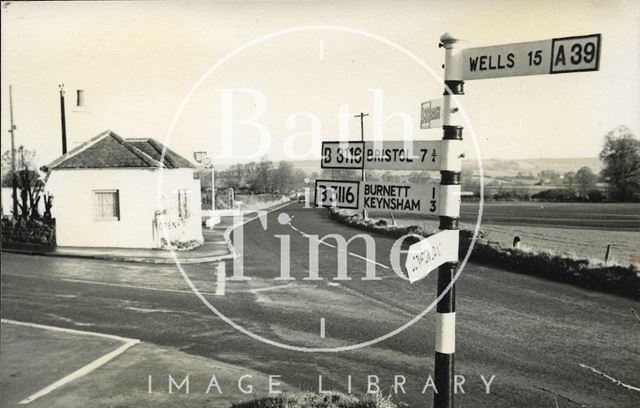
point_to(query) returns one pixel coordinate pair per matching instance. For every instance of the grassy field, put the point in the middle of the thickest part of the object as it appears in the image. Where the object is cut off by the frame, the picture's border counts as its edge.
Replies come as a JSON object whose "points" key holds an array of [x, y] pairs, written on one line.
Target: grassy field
{"points": [[577, 229]]}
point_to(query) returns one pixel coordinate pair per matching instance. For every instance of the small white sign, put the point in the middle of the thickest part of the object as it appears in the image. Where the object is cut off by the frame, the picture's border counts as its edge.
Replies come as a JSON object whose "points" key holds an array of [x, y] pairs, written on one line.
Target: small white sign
{"points": [[431, 114], [428, 254], [200, 157], [554, 56], [416, 155]]}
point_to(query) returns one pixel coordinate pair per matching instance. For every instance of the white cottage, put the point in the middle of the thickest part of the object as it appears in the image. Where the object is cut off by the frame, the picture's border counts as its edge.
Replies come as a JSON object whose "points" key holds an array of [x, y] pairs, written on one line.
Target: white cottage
{"points": [[115, 192]]}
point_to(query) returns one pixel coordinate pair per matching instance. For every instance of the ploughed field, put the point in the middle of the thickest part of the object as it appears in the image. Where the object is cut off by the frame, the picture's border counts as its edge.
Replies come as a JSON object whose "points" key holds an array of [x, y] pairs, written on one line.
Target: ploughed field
{"points": [[581, 230]]}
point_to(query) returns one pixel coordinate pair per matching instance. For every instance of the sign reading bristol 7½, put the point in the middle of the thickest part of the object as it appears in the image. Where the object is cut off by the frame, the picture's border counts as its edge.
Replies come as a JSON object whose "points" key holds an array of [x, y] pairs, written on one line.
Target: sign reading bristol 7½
{"points": [[555, 56], [416, 155]]}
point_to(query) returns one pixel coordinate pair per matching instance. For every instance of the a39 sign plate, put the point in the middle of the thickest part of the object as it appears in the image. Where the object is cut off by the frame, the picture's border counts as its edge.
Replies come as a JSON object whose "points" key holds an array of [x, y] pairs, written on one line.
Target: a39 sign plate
{"points": [[417, 155], [555, 56], [377, 195]]}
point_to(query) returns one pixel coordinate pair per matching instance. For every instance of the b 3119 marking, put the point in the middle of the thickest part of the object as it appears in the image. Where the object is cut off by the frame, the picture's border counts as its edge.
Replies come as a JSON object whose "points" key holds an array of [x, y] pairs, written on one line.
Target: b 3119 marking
{"points": [[416, 155]]}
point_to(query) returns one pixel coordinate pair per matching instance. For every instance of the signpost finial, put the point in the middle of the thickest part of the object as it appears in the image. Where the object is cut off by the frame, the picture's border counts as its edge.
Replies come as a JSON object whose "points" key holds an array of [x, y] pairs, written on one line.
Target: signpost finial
{"points": [[447, 39]]}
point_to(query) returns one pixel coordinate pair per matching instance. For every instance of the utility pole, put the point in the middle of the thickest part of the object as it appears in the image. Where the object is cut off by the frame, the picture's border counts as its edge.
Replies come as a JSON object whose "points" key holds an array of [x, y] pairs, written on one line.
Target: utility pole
{"points": [[14, 182], [361, 115], [63, 120]]}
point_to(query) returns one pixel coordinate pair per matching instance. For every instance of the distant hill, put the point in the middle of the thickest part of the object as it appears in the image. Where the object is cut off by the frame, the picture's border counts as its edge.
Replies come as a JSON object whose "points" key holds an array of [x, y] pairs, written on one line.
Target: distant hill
{"points": [[509, 168], [492, 167]]}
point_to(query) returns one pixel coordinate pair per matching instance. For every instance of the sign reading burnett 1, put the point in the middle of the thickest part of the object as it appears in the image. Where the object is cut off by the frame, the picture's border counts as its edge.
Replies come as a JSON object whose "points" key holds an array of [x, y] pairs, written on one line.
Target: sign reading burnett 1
{"points": [[429, 253], [555, 56], [378, 195], [387, 155]]}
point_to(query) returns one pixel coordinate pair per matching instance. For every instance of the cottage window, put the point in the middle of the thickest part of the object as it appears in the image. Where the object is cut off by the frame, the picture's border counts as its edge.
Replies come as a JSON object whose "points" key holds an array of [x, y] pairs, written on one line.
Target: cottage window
{"points": [[106, 205], [183, 204]]}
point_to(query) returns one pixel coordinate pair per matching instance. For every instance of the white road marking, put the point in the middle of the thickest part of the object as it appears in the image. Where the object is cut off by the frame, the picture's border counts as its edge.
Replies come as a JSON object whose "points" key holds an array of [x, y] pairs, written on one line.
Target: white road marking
{"points": [[268, 288], [82, 371], [221, 279], [65, 330], [304, 234], [185, 291], [322, 328], [608, 377], [122, 285], [463, 193]]}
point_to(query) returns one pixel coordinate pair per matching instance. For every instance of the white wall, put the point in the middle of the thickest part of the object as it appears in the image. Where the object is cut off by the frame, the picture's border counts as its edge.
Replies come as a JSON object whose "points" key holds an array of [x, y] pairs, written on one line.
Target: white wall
{"points": [[72, 191]]}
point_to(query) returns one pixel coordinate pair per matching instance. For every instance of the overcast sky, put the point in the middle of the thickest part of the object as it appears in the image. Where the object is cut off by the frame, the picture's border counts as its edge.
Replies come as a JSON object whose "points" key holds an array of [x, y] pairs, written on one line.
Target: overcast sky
{"points": [[137, 62]]}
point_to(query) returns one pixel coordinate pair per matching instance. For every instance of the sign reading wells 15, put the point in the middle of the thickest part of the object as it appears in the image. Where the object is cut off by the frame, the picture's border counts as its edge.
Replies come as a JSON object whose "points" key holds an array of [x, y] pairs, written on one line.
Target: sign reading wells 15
{"points": [[429, 253], [378, 195], [555, 56], [416, 155]]}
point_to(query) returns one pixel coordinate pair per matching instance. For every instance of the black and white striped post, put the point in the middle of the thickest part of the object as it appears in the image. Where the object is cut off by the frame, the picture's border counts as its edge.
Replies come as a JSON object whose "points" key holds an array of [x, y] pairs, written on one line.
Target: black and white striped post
{"points": [[449, 214]]}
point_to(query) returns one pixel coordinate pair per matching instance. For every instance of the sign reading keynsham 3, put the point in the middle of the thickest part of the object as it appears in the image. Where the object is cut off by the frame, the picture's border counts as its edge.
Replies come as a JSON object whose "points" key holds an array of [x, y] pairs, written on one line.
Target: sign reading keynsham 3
{"points": [[377, 195], [555, 56]]}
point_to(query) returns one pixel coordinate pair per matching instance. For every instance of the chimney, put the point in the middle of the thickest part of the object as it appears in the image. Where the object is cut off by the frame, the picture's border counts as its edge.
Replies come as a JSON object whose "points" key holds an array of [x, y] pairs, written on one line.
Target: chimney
{"points": [[80, 98]]}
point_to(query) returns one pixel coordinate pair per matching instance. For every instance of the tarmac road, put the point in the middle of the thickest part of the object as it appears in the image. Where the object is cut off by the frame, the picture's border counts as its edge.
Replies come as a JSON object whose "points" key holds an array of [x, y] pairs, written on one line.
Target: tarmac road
{"points": [[525, 331]]}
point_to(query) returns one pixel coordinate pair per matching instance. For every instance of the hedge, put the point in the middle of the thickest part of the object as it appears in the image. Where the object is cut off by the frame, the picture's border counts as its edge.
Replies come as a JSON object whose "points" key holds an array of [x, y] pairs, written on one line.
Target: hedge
{"points": [[30, 231], [619, 280]]}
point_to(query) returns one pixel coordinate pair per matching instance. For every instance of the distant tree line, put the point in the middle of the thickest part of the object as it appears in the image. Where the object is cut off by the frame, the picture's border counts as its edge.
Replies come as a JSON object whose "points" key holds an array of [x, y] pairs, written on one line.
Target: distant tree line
{"points": [[619, 179], [259, 177]]}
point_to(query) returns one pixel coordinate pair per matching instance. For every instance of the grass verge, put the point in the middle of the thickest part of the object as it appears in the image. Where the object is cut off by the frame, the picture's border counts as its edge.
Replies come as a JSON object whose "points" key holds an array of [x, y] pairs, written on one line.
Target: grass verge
{"points": [[619, 280], [310, 400]]}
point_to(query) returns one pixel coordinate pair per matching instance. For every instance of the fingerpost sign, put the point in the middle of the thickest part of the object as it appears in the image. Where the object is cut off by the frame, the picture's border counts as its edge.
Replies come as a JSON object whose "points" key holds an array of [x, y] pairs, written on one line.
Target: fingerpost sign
{"points": [[415, 155], [554, 56]]}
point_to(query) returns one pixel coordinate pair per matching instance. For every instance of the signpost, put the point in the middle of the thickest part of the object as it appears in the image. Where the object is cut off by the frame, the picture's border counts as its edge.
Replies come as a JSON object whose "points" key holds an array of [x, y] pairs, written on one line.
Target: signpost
{"points": [[202, 158], [431, 114], [416, 155], [426, 255], [554, 56], [381, 196], [558, 55]]}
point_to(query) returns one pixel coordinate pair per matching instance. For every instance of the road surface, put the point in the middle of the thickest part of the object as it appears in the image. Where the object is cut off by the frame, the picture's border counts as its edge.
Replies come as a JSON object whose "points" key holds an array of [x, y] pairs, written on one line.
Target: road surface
{"points": [[527, 332]]}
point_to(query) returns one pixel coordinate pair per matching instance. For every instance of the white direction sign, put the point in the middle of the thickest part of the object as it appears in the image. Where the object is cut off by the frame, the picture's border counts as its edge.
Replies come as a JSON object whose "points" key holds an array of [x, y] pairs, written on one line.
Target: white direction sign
{"points": [[426, 255], [377, 195], [554, 56], [431, 114], [416, 155]]}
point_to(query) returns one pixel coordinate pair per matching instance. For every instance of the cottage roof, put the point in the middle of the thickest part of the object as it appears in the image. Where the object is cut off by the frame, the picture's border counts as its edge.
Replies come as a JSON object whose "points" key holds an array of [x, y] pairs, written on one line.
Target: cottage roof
{"points": [[108, 150]]}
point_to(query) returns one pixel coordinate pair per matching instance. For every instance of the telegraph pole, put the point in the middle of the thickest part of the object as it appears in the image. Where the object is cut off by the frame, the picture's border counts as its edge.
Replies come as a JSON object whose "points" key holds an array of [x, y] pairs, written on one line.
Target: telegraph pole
{"points": [[14, 182], [361, 115], [63, 120]]}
